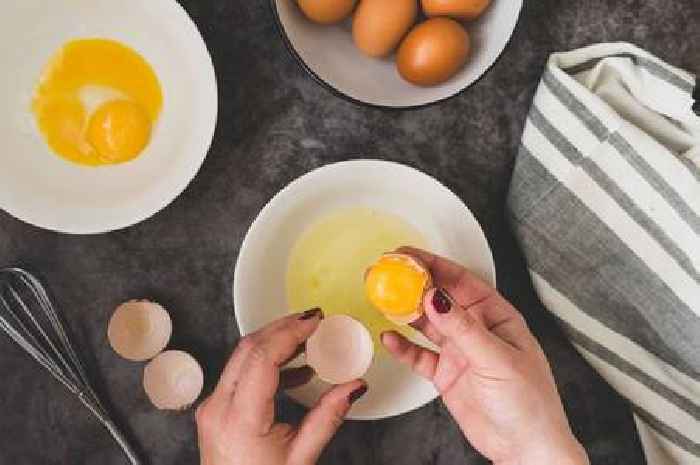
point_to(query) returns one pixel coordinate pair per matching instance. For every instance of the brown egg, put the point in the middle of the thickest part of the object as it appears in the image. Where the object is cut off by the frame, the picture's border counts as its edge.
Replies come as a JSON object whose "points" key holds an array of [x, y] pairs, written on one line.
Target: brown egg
{"points": [[379, 25], [433, 52], [326, 11], [463, 9]]}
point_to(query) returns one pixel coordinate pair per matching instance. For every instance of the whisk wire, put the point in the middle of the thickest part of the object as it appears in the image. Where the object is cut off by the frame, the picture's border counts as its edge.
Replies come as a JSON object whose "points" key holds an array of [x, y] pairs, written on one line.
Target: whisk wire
{"points": [[36, 355], [75, 367], [50, 346]]}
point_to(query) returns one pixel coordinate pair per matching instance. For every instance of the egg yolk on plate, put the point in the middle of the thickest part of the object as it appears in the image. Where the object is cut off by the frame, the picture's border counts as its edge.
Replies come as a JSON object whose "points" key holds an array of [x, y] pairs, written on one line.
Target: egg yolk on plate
{"points": [[96, 102]]}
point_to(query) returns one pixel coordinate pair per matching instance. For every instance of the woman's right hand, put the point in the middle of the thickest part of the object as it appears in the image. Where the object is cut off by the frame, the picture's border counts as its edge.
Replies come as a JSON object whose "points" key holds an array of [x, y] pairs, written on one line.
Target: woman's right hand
{"points": [[491, 372]]}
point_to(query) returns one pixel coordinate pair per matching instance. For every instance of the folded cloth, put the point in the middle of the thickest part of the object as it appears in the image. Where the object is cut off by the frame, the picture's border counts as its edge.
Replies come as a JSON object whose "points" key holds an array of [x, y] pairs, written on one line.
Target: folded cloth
{"points": [[605, 202]]}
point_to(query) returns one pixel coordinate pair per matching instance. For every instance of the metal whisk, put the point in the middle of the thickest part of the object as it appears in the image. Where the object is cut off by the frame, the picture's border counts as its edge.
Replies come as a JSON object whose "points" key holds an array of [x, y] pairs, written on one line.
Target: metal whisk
{"points": [[30, 319]]}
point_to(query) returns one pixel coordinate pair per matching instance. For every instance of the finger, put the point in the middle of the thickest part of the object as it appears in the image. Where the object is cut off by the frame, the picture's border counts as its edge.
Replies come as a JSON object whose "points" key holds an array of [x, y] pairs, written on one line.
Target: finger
{"points": [[301, 348], [325, 418], [291, 378], [428, 330], [477, 344], [210, 413], [229, 377], [230, 374], [504, 321], [468, 290], [269, 348], [422, 361], [465, 287], [285, 339]]}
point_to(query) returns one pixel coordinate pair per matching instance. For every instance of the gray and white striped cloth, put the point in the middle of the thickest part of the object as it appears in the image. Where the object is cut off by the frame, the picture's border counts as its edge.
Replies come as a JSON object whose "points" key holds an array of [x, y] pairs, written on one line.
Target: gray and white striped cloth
{"points": [[605, 202]]}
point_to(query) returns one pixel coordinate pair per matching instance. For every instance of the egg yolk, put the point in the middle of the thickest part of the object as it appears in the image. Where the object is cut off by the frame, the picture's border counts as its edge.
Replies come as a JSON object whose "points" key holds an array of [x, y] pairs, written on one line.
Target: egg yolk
{"points": [[119, 130], [96, 102], [396, 285]]}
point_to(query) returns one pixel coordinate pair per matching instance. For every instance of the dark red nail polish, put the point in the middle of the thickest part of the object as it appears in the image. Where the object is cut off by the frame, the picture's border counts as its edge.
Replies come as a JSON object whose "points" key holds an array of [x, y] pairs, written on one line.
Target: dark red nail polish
{"points": [[442, 302], [313, 313], [356, 394]]}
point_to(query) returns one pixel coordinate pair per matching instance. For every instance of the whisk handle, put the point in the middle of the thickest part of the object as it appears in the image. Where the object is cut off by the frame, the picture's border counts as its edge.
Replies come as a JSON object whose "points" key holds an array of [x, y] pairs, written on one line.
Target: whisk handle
{"points": [[113, 430]]}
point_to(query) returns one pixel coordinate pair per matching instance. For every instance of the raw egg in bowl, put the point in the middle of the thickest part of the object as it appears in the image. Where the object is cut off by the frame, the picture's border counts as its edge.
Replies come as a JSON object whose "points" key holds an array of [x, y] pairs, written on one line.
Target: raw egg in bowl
{"points": [[108, 112], [312, 245]]}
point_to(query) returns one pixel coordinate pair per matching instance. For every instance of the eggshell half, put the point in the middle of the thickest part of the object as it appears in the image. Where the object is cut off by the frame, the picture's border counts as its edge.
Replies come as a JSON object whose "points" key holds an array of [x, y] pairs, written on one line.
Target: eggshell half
{"points": [[340, 350], [419, 265], [405, 319], [173, 380], [139, 330]]}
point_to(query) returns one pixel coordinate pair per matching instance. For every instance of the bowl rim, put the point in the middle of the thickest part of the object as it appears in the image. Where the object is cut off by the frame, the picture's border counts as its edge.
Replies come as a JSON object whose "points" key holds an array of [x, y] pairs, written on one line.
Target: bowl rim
{"points": [[179, 186], [338, 93], [271, 203]]}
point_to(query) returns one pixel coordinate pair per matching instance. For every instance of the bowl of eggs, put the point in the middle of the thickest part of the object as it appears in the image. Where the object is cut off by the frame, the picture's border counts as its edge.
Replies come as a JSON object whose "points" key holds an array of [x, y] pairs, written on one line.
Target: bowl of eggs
{"points": [[108, 118], [396, 53], [326, 241]]}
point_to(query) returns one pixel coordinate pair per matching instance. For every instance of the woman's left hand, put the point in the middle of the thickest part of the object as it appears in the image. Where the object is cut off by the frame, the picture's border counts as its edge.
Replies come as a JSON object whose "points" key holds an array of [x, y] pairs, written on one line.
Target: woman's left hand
{"points": [[236, 424]]}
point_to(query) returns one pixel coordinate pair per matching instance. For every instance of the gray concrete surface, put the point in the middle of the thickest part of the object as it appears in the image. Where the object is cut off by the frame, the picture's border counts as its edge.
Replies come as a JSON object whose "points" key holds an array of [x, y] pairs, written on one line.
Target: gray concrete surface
{"points": [[274, 125]]}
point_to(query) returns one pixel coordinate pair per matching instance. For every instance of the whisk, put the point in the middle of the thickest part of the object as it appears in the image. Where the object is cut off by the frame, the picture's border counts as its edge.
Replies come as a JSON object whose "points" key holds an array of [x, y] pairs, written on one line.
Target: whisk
{"points": [[30, 320]]}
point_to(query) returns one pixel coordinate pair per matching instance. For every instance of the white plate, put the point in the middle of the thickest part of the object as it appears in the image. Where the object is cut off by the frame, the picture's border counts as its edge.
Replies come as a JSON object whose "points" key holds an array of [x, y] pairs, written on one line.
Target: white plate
{"points": [[329, 54], [41, 188], [259, 282]]}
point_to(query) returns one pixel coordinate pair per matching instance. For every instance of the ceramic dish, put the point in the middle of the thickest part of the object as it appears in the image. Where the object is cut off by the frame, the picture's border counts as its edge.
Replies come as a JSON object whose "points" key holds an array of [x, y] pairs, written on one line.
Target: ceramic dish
{"points": [[259, 283], [43, 189], [329, 55]]}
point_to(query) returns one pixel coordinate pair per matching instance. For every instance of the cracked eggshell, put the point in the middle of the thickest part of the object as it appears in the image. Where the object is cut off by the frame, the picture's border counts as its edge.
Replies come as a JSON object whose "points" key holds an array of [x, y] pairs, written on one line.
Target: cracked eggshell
{"points": [[383, 290], [340, 350], [139, 330], [173, 380]]}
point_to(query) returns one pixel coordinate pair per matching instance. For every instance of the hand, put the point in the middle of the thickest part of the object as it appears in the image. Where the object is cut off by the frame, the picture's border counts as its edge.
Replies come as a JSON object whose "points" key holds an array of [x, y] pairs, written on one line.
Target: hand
{"points": [[492, 374], [236, 424]]}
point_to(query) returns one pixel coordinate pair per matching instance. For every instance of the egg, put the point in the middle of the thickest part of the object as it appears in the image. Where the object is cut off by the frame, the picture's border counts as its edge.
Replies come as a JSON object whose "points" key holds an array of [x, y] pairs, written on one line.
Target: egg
{"points": [[138, 330], [396, 284], [173, 380], [326, 11], [379, 25], [96, 102], [462, 9], [340, 350], [433, 52], [119, 130]]}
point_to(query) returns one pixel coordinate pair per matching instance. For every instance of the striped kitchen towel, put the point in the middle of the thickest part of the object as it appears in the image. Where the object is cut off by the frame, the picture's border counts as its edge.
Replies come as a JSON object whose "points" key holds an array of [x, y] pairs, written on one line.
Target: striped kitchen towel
{"points": [[605, 202]]}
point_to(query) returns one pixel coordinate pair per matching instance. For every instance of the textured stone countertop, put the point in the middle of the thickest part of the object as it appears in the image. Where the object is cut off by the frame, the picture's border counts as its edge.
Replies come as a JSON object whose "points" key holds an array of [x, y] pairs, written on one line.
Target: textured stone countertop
{"points": [[274, 125]]}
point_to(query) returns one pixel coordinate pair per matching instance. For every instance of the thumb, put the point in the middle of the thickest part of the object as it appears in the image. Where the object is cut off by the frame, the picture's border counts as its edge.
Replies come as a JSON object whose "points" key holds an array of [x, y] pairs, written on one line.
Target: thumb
{"points": [[325, 418], [479, 346]]}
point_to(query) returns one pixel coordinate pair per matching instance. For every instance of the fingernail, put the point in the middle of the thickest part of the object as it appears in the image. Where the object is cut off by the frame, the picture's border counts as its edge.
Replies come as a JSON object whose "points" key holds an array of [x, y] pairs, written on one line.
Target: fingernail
{"points": [[356, 394], [313, 313], [696, 107], [442, 302]]}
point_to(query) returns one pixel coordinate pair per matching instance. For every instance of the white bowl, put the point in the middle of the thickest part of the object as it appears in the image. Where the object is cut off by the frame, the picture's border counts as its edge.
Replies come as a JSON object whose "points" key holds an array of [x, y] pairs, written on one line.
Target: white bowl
{"points": [[41, 188], [259, 281], [329, 55]]}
